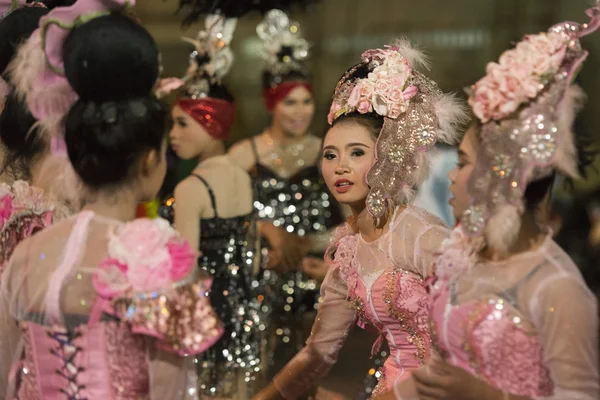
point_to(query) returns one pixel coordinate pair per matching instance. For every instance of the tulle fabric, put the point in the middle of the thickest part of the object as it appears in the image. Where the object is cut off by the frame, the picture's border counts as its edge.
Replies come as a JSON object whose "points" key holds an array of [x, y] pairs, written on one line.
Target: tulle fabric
{"points": [[25, 299], [411, 244], [527, 325]]}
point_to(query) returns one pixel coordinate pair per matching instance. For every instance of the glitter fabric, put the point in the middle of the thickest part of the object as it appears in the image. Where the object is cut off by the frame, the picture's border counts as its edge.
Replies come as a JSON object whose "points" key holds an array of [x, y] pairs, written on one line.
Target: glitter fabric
{"points": [[416, 115], [214, 115], [228, 254], [24, 210], [526, 325], [526, 133]]}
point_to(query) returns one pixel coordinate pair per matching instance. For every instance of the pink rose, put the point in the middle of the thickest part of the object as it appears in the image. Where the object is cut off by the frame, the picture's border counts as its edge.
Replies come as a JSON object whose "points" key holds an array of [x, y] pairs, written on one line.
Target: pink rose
{"points": [[182, 258], [138, 239], [153, 274], [364, 107], [382, 87], [366, 89], [110, 278], [395, 95], [395, 110], [485, 100]]}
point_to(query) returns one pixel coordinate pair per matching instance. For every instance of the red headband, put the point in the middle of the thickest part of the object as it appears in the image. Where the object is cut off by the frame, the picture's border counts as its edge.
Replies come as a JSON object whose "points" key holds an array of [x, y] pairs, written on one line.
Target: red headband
{"points": [[215, 115], [280, 92]]}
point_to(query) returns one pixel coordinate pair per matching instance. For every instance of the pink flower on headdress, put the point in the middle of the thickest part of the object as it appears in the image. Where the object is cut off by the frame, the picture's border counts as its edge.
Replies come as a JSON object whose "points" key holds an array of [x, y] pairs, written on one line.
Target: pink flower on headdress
{"points": [[364, 107], [518, 77]]}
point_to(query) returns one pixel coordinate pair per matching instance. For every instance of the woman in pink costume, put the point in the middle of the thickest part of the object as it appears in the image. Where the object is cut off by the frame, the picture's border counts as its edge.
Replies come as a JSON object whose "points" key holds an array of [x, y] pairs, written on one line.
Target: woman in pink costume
{"points": [[27, 203], [512, 318], [385, 118], [102, 306]]}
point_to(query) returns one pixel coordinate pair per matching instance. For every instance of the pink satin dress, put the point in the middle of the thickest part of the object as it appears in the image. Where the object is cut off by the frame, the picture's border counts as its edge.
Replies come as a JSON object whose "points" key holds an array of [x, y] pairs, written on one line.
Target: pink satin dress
{"points": [[382, 285]]}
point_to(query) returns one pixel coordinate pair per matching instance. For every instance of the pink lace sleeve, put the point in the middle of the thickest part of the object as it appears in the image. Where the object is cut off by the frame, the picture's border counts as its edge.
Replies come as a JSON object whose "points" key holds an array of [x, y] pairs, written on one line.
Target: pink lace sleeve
{"points": [[334, 320], [566, 318]]}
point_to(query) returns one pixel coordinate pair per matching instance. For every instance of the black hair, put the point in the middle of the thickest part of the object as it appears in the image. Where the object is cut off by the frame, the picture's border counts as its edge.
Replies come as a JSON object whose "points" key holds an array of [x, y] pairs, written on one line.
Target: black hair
{"points": [[112, 64], [15, 28], [276, 76], [20, 137]]}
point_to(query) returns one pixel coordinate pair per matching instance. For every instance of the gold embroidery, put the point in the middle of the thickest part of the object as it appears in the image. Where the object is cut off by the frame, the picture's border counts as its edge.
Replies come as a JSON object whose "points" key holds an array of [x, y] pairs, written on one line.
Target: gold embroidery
{"points": [[406, 318]]}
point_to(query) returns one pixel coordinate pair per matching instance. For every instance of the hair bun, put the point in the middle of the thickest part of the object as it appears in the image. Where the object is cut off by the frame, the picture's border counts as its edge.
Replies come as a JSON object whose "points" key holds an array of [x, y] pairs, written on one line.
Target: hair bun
{"points": [[111, 58]]}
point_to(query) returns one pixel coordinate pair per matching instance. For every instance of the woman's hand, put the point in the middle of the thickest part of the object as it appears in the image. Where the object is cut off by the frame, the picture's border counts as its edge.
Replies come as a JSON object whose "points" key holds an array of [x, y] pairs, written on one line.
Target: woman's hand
{"points": [[286, 249], [315, 267], [439, 380]]}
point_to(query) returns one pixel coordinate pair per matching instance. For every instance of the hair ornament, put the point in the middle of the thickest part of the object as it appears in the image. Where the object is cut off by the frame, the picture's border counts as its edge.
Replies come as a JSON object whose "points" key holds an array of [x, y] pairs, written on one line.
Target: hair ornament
{"points": [[37, 71], [526, 105], [416, 115], [284, 49]]}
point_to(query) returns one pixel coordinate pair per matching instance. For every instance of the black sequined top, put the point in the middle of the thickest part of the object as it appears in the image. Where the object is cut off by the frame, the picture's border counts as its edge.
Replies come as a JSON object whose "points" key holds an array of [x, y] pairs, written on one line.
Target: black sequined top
{"points": [[300, 204], [227, 255]]}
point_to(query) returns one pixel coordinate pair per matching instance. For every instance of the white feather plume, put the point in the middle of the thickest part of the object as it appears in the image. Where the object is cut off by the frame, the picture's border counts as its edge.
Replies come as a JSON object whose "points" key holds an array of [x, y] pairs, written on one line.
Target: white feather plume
{"points": [[452, 114], [566, 152], [415, 57], [502, 229]]}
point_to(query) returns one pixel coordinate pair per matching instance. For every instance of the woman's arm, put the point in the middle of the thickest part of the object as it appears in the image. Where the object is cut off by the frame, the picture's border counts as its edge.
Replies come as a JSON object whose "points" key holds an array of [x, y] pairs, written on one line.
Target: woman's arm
{"points": [[333, 322], [189, 197]]}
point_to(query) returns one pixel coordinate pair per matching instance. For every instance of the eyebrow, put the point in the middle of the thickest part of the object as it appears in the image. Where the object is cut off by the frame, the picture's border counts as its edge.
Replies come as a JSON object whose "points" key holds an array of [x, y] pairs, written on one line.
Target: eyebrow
{"points": [[462, 154], [331, 147]]}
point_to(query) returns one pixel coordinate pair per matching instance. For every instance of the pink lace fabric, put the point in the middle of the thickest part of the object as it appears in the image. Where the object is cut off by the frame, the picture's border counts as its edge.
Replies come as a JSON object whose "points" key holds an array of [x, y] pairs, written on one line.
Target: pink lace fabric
{"points": [[60, 337], [528, 325], [382, 285], [24, 210]]}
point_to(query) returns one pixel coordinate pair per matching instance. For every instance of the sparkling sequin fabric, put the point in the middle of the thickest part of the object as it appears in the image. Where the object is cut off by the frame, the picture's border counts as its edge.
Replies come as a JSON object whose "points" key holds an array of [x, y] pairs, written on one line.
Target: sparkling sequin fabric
{"points": [[528, 325], [24, 210], [380, 284], [227, 256], [291, 193]]}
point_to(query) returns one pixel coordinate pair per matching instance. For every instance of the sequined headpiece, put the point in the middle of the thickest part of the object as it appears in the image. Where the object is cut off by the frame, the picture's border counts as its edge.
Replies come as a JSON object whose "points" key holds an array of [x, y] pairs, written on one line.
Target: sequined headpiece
{"points": [[210, 62], [416, 115], [284, 50], [526, 105]]}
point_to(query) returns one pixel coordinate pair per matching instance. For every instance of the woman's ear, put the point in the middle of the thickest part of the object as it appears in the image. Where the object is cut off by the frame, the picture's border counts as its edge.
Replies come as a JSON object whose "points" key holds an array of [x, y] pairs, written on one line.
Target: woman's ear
{"points": [[149, 162]]}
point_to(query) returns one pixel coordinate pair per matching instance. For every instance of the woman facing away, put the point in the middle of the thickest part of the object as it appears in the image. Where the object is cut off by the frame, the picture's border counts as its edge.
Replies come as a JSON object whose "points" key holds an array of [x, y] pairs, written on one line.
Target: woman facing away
{"points": [[512, 318], [385, 118], [213, 208], [296, 210], [26, 201], [99, 306]]}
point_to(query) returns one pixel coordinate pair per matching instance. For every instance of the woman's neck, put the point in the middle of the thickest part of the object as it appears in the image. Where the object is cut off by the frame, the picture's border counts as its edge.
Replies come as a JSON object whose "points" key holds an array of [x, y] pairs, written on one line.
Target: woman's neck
{"points": [[118, 205], [218, 149], [365, 224], [281, 138]]}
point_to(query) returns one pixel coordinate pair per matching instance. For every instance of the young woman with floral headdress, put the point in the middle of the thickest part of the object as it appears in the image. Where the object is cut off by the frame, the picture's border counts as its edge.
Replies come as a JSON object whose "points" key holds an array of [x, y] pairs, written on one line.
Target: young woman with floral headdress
{"points": [[512, 318], [99, 305], [386, 116], [213, 208]]}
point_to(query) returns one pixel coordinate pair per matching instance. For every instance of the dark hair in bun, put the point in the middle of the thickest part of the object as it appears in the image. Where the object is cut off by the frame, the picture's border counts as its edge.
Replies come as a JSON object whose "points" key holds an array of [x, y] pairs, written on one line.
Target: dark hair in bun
{"points": [[112, 64], [20, 137], [15, 29]]}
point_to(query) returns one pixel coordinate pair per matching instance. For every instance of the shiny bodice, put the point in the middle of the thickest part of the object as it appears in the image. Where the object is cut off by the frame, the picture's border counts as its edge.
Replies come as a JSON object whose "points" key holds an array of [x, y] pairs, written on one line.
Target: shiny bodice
{"points": [[299, 204], [90, 361], [490, 338]]}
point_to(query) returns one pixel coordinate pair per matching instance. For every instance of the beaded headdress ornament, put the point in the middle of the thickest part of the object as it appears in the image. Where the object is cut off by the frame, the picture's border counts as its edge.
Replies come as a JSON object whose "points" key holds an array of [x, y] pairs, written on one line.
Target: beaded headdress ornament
{"points": [[526, 105], [209, 64], [416, 115], [284, 51]]}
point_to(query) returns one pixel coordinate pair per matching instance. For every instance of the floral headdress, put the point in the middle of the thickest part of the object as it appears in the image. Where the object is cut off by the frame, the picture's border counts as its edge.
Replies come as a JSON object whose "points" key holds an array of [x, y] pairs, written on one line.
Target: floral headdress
{"points": [[526, 105], [416, 115]]}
